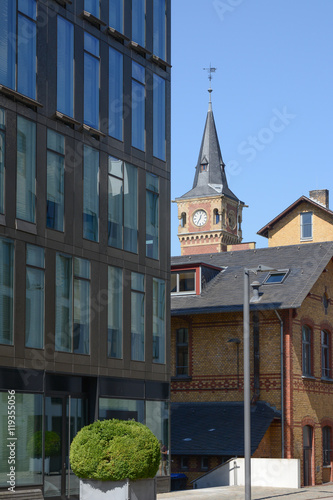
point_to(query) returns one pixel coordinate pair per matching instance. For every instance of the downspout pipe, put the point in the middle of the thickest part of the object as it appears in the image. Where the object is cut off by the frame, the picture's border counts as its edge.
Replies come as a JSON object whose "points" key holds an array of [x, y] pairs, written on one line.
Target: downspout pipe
{"points": [[282, 380]]}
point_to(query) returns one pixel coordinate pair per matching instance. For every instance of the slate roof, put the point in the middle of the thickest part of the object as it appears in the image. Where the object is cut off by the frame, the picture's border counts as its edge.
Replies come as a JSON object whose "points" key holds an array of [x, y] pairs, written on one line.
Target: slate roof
{"points": [[224, 292], [217, 428], [264, 230], [213, 180]]}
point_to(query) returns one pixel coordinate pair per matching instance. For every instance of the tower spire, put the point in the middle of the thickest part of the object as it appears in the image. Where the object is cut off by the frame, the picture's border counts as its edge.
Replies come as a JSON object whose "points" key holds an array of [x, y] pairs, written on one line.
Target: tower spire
{"points": [[210, 76]]}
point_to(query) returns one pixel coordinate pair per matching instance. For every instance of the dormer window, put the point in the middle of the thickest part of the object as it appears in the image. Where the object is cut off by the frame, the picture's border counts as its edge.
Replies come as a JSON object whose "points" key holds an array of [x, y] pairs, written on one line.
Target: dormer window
{"points": [[183, 281], [204, 167], [306, 226]]}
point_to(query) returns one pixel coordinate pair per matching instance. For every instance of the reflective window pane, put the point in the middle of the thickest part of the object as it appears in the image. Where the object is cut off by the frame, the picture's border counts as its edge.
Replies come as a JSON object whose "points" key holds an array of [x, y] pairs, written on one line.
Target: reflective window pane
{"points": [[26, 169], [158, 321], [159, 118], [6, 290], [116, 14], [115, 94], [91, 194], [139, 22], [65, 67], [8, 48], [115, 312], [92, 6], [26, 57], [55, 180], [64, 303], [159, 39]]}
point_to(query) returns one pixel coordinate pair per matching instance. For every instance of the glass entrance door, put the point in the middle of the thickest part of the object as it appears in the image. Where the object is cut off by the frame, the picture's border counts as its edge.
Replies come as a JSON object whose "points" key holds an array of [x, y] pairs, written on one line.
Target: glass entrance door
{"points": [[64, 417]]}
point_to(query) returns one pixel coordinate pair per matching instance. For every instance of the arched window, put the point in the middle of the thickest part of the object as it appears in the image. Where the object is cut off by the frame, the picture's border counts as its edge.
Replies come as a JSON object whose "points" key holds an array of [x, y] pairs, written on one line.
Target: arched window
{"points": [[216, 216], [306, 350], [183, 219]]}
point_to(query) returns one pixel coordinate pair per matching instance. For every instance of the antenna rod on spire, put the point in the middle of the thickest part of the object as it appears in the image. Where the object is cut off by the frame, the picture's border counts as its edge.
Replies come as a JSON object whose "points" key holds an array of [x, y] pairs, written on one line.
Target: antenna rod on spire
{"points": [[210, 72]]}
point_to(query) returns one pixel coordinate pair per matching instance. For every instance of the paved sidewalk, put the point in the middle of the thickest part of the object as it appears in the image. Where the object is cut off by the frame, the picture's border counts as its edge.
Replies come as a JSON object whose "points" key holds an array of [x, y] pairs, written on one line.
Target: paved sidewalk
{"points": [[257, 493]]}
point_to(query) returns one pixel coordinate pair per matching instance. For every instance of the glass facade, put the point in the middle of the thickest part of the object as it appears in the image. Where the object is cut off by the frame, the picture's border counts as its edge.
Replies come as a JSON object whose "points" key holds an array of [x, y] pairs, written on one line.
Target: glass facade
{"points": [[152, 216], [90, 193], [115, 94], [34, 300], [159, 118], [18, 41], [91, 80], [158, 320], [72, 304], [65, 67], [115, 312], [55, 180], [6, 290], [138, 106], [26, 170], [137, 317]]}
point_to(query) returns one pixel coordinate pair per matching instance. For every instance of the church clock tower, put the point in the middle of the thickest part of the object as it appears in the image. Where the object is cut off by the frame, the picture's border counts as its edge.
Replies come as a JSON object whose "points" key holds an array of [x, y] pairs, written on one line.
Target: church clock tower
{"points": [[210, 215]]}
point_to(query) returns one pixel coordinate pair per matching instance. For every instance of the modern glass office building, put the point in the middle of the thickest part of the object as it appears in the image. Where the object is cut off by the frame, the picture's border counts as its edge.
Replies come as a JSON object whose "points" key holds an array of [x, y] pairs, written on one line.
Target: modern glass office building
{"points": [[84, 227]]}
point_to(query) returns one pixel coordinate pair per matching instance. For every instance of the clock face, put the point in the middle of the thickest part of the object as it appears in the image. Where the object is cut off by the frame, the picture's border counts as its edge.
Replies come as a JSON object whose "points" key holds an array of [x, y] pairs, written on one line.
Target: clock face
{"points": [[200, 218]]}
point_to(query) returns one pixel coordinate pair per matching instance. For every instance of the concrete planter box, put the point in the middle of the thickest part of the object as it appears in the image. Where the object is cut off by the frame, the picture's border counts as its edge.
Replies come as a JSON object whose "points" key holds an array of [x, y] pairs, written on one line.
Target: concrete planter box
{"points": [[143, 489]]}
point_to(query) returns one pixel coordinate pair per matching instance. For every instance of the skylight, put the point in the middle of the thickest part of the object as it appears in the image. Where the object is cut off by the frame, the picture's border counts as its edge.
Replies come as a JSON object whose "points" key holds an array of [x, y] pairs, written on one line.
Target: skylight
{"points": [[276, 277]]}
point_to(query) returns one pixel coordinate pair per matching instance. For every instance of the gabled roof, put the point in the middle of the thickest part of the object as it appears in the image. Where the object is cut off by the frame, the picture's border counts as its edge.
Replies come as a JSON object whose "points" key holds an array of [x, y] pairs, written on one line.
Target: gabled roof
{"points": [[224, 292], [217, 428], [265, 230], [212, 180]]}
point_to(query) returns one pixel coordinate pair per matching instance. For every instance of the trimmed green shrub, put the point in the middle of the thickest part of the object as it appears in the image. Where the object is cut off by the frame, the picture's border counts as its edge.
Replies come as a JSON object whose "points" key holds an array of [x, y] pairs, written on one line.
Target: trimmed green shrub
{"points": [[52, 444], [114, 450]]}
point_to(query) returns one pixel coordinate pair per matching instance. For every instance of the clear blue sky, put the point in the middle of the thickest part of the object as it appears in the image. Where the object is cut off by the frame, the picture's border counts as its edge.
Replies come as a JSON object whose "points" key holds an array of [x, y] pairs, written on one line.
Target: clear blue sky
{"points": [[272, 100]]}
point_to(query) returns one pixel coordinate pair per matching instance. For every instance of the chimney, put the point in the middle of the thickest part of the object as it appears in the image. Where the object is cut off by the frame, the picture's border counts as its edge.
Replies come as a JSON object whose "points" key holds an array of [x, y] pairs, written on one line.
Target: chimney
{"points": [[320, 196]]}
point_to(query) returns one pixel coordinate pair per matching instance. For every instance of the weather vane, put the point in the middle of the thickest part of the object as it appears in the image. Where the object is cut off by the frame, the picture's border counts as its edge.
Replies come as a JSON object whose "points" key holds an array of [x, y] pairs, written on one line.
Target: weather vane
{"points": [[210, 76]]}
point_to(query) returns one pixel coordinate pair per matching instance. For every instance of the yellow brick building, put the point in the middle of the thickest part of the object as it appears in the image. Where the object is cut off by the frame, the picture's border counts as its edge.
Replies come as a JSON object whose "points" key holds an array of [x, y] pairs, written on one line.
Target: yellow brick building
{"points": [[307, 220], [291, 325]]}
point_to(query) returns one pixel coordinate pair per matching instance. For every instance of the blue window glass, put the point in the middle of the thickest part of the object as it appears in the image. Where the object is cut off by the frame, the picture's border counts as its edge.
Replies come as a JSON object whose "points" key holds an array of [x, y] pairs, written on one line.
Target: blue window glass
{"points": [[2, 161], [159, 117], [115, 94], [27, 7], [64, 303], [159, 38], [152, 216], [90, 193], [26, 56], [93, 7], [34, 300], [91, 81], [26, 170], [18, 44], [158, 321], [122, 209], [116, 15], [115, 312], [7, 43], [138, 106], [6, 290], [65, 67], [137, 317], [139, 22], [55, 180]]}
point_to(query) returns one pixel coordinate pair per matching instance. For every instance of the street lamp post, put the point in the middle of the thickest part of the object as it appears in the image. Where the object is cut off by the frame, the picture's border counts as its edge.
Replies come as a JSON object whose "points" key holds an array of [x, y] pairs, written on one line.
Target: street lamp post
{"points": [[247, 389], [247, 375]]}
